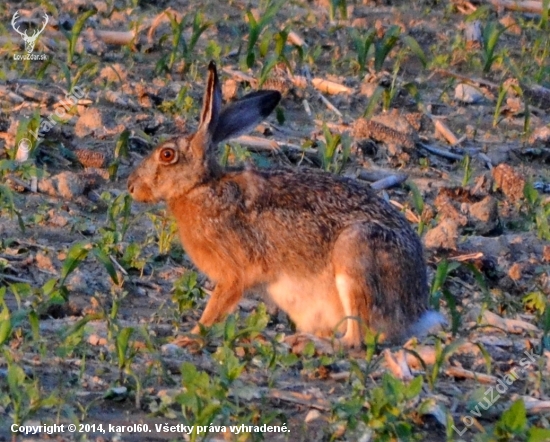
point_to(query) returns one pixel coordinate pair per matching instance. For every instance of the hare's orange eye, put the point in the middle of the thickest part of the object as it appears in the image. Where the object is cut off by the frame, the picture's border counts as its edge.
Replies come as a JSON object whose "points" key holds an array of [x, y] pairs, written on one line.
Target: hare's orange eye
{"points": [[168, 155]]}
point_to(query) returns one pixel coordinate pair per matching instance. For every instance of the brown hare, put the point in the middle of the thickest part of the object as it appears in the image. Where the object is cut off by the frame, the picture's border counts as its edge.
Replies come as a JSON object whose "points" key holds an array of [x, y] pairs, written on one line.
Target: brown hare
{"points": [[330, 253]]}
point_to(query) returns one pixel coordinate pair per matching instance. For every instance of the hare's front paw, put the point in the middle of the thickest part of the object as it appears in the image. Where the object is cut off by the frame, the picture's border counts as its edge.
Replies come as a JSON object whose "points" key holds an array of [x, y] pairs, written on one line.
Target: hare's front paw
{"points": [[298, 342], [193, 344]]}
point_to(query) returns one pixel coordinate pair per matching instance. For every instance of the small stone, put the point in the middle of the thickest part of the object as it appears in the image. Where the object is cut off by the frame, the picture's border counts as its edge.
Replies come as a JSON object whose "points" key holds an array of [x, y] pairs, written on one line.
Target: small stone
{"points": [[468, 94], [444, 236], [540, 135], [312, 415], [97, 340], [484, 215], [510, 182], [88, 122], [44, 262], [67, 185], [515, 271], [57, 219], [229, 89]]}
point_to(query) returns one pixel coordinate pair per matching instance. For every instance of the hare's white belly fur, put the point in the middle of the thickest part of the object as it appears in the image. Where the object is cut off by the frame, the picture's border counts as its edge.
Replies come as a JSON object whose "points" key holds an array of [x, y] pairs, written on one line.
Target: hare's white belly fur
{"points": [[311, 302]]}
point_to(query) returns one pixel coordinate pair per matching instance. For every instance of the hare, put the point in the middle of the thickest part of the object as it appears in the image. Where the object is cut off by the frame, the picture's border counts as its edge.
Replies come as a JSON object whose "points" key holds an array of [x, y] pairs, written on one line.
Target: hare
{"points": [[330, 253]]}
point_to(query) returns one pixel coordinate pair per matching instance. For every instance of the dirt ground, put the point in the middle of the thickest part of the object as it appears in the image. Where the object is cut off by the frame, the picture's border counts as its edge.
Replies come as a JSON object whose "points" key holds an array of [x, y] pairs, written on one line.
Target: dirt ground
{"points": [[450, 127]]}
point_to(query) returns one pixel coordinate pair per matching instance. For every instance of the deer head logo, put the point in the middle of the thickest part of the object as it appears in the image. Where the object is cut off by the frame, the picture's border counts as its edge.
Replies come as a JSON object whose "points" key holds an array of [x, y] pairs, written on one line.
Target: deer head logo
{"points": [[29, 40]]}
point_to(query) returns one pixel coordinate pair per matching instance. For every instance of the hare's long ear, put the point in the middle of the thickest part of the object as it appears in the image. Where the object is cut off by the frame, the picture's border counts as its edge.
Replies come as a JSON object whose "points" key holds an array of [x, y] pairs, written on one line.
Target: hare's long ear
{"points": [[243, 115], [210, 113], [212, 102]]}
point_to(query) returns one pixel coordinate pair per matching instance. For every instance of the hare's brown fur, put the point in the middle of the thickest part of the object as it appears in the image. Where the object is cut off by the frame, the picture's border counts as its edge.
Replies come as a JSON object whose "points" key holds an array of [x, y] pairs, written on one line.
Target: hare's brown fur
{"points": [[330, 253]]}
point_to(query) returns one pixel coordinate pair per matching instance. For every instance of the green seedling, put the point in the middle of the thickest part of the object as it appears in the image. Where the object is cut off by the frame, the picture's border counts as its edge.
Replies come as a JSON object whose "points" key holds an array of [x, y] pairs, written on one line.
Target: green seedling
{"points": [[438, 290], [441, 355], [255, 28], [122, 150], [75, 256], [390, 411], [537, 301], [125, 353], [382, 47], [389, 94], [538, 210], [132, 257], [543, 25], [179, 45], [5, 318], [490, 36], [502, 92], [118, 220], [418, 203], [513, 425], [362, 46], [7, 203], [186, 291], [334, 150], [229, 365], [165, 229], [340, 6], [75, 32], [467, 168], [374, 100], [202, 399], [23, 397], [90, 67]]}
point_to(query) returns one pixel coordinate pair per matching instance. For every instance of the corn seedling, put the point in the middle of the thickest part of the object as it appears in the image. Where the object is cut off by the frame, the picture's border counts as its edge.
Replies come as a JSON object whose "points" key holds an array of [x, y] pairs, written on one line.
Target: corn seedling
{"points": [[255, 29], [383, 46], [90, 67], [362, 46], [467, 168], [334, 150], [23, 397], [75, 256], [7, 203], [374, 100], [490, 35], [418, 203], [5, 318], [389, 94], [442, 353], [502, 91], [75, 32], [179, 45], [438, 290], [538, 210], [340, 6], [121, 151]]}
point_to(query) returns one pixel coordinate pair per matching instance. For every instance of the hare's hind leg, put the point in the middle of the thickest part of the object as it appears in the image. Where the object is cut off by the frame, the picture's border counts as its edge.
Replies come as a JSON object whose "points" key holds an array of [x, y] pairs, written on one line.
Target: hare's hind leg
{"points": [[381, 278], [353, 265]]}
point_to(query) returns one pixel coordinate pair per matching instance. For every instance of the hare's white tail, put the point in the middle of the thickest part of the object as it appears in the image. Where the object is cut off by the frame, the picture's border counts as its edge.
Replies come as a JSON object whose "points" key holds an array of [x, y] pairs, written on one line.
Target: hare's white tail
{"points": [[429, 321]]}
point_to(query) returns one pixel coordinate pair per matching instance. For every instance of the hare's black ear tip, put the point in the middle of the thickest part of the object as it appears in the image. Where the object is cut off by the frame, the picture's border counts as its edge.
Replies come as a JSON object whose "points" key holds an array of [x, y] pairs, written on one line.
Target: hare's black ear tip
{"points": [[212, 66], [272, 100]]}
